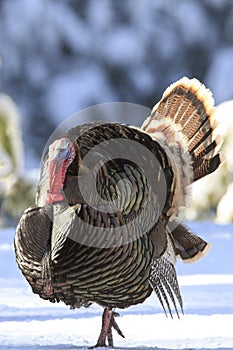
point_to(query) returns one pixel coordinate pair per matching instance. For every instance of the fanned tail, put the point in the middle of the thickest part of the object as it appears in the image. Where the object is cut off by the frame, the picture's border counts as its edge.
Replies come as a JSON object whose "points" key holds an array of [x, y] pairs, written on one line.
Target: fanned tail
{"points": [[184, 125], [185, 116]]}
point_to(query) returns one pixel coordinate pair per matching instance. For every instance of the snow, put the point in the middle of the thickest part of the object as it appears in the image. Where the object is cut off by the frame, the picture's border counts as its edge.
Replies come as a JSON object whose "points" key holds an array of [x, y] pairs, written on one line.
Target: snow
{"points": [[47, 333], [30, 323]]}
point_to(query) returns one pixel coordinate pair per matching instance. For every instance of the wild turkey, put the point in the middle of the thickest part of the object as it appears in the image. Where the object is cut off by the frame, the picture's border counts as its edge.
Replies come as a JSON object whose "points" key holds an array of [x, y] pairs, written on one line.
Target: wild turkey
{"points": [[108, 230]]}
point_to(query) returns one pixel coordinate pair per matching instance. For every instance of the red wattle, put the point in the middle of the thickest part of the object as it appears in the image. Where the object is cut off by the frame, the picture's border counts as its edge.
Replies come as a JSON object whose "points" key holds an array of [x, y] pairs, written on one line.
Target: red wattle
{"points": [[56, 181]]}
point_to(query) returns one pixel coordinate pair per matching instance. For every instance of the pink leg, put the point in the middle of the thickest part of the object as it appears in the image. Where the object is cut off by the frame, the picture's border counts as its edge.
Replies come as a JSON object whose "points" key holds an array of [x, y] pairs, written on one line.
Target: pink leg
{"points": [[108, 321]]}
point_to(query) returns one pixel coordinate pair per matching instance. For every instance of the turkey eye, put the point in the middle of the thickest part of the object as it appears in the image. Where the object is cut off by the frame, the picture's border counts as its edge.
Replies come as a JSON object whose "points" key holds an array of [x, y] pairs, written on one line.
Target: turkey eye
{"points": [[62, 153]]}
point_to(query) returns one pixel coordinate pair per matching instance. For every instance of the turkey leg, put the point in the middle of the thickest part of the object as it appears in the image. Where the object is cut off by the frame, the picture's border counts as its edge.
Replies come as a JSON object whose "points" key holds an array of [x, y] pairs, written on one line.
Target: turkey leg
{"points": [[108, 322]]}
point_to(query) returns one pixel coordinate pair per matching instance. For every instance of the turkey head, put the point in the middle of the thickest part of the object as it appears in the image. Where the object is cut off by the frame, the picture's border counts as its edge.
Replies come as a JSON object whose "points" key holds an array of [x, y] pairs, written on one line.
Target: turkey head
{"points": [[61, 154]]}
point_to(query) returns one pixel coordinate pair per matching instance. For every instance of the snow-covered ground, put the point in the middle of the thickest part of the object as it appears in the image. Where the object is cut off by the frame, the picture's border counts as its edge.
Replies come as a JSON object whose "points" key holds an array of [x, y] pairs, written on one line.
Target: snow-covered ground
{"points": [[28, 322]]}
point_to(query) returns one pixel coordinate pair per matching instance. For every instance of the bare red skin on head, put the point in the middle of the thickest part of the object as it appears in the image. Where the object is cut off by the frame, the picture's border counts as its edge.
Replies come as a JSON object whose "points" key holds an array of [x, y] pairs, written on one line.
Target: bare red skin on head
{"points": [[57, 174]]}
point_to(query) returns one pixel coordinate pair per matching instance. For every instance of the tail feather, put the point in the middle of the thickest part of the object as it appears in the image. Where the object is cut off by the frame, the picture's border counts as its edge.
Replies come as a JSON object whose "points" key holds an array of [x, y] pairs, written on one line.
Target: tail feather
{"points": [[211, 148], [164, 282], [208, 166], [163, 278], [187, 245], [161, 295], [186, 110], [203, 137]]}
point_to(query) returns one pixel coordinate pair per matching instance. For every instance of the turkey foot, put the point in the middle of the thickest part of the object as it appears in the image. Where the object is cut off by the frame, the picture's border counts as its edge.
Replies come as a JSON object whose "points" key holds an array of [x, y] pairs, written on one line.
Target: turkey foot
{"points": [[108, 322]]}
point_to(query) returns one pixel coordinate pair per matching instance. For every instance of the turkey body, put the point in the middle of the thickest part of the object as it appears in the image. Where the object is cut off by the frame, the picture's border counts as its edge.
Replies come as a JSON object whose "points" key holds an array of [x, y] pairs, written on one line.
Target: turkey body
{"points": [[116, 242], [114, 274]]}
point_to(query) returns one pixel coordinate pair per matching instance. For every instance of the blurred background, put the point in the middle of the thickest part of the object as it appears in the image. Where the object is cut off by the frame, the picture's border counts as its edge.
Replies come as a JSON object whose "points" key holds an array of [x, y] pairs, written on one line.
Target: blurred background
{"points": [[60, 56]]}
